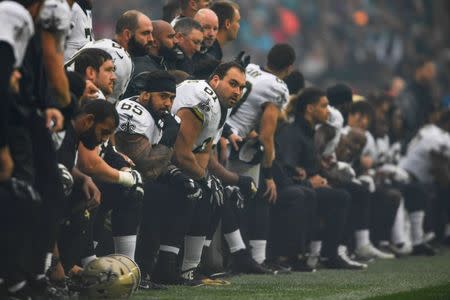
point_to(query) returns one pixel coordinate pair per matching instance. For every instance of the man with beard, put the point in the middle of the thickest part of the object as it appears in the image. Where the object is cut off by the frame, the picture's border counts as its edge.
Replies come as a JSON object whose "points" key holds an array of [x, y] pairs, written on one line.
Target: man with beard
{"points": [[162, 51], [203, 108], [147, 133], [92, 125], [106, 165], [134, 32], [97, 66]]}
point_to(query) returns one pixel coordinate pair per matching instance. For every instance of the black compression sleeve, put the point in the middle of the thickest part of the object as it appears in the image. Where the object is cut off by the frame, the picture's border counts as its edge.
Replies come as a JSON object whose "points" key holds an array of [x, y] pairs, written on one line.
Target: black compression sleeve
{"points": [[6, 66]]}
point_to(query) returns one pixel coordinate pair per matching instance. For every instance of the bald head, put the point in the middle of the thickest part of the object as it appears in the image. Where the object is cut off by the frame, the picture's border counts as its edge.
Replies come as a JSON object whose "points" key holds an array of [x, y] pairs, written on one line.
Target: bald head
{"points": [[134, 32], [210, 24], [160, 26], [164, 37]]}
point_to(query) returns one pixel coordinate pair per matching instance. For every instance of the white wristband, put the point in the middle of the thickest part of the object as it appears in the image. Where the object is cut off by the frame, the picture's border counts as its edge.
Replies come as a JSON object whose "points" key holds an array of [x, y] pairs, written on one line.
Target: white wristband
{"points": [[126, 179]]}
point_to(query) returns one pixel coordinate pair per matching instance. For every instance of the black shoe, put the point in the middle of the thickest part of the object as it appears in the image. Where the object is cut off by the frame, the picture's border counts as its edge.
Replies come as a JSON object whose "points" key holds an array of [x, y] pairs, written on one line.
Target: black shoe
{"points": [[277, 267], [424, 249], [304, 265], [342, 261], [446, 241], [242, 262], [146, 284], [166, 269]]}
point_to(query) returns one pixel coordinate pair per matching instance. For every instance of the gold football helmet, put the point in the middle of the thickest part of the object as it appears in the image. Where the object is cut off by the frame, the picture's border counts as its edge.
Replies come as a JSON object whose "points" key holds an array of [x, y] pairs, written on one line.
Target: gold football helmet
{"points": [[132, 266], [107, 277]]}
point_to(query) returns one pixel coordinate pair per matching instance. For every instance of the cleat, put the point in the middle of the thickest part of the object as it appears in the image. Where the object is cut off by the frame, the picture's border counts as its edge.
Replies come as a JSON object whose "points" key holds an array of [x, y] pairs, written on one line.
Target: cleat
{"points": [[369, 252], [424, 249], [242, 262]]}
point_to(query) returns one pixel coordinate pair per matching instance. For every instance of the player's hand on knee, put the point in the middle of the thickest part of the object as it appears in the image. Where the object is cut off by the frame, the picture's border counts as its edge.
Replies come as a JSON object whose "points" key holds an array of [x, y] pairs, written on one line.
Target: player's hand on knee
{"points": [[176, 178], [137, 190], [234, 195]]}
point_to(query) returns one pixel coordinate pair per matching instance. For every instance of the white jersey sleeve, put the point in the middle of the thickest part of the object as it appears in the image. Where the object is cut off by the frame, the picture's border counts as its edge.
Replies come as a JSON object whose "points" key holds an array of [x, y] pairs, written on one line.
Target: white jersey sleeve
{"points": [[262, 87], [55, 15], [122, 62], [370, 149], [17, 28], [417, 160], [81, 32], [336, 121], [199, 97], [136, 119]]}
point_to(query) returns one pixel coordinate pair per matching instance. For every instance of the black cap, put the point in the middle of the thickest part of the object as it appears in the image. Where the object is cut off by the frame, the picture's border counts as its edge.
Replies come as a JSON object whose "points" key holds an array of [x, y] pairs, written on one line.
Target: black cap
{"points": [[339, 94], [156, 81]]}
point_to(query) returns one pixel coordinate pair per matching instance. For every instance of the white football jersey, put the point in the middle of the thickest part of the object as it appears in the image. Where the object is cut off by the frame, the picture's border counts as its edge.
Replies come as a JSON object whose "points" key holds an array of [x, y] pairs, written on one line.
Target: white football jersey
{"points": [[122, 61], [17, 28], [81, 33], [335, 120], [136, 119], [199, 96], [55, 16], [261, 87], [417, 159]]}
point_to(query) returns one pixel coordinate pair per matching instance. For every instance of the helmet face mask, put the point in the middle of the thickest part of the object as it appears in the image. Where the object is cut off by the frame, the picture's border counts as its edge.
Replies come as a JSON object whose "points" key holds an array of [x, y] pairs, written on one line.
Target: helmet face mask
{"points": [[108, 277], [132, 266]]}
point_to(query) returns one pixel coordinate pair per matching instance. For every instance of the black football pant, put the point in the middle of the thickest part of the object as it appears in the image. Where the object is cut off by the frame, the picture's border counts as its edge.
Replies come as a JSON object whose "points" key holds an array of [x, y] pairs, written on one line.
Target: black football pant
{"points": [[359, 213], [383, 212], [17, 217], [48, 183], [166, 217], [16, 221], [293, 219], [75, 239], [125, 216], [333, 207]]}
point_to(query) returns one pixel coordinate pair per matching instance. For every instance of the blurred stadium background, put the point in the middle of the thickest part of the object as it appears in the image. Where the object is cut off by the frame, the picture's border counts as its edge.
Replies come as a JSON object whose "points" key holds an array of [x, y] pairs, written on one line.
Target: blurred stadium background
{"points": [[362, 42]]}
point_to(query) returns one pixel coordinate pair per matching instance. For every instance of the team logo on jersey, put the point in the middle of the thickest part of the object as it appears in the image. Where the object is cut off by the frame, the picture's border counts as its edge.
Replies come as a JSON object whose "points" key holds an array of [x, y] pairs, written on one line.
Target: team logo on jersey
{"points": [[204, 105], [18, 31], [128, 126]]}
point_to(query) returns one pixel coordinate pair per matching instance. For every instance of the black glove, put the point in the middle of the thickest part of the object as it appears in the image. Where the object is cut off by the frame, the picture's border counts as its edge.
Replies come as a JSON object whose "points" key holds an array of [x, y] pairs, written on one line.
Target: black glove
{"points": [[233, 194], [214, 188], [247, 186], [242, 60], [136, 191], [170, 130], [66, 179], [177, 179]]}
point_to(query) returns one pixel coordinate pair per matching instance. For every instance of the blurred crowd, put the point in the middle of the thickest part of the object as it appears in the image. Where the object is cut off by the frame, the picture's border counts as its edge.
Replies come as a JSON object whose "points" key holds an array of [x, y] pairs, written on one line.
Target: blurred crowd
{"points": [[146, 144], [335, 40]]}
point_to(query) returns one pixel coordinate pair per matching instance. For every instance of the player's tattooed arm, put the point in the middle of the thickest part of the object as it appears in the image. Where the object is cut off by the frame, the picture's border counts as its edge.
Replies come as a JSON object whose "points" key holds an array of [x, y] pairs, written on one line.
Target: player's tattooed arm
{"points": [[150, 160]]}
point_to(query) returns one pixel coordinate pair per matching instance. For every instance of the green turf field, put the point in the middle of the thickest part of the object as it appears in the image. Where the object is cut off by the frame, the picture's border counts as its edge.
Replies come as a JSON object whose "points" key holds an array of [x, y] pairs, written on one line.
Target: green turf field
{"points": [[407, 278]]}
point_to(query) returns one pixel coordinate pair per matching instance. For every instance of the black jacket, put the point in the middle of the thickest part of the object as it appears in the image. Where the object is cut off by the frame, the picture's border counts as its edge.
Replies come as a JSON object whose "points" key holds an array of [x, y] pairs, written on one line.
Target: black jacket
{"points": [[215, 51], [295, 148]]}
